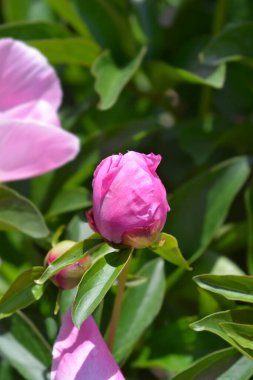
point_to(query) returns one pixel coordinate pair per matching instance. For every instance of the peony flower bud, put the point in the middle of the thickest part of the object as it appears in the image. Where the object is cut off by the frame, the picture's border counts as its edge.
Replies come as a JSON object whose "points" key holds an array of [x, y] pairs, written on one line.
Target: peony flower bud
{"points": [[129, 200], [70, 276]]}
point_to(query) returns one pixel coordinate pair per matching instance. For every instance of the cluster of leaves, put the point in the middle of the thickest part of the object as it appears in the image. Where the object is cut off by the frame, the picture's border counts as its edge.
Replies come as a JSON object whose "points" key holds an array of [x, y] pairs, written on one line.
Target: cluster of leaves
{"points": [[168, 76]]}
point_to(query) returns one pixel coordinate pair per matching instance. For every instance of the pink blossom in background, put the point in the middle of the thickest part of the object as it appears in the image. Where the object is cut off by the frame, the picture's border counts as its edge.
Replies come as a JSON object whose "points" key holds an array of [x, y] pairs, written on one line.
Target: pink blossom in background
{"points": [[129, 200], [31, 139], [82, 354]]}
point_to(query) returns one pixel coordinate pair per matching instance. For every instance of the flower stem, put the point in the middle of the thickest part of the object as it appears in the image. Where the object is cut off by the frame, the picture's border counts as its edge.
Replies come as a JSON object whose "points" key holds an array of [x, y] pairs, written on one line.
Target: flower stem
{"points": [[117, 304], [219, 16], [217, 24]]}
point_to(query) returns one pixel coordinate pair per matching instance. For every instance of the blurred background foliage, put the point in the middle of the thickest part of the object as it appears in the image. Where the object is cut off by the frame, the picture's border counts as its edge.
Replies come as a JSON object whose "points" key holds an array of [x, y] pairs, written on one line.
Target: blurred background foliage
{"points": [[173, 77]]}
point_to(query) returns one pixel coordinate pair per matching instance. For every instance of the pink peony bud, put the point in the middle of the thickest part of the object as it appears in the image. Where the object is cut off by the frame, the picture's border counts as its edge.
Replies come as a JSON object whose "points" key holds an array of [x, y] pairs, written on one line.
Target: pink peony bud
{"points": [[129, 200], [70, 276]]}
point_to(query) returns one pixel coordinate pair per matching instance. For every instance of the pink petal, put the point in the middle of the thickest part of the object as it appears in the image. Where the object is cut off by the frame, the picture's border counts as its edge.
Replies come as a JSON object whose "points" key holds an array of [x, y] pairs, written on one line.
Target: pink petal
{"points": [[25, 75], [29, 148], [82, 354], [121, 205], [150, 161], [40, 111]]}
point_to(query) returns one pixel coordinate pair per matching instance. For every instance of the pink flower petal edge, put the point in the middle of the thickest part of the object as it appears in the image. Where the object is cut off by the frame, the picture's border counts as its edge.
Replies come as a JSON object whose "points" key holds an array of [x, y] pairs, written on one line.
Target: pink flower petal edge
{"points": [[31, 139], [38, 110], [81, 354], [29, 148], [25, 76]]}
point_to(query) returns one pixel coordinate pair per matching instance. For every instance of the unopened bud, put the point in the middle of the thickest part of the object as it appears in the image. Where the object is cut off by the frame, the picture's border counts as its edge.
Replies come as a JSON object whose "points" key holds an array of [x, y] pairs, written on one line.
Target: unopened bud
{"points": [[129, 200], [70, 276]]}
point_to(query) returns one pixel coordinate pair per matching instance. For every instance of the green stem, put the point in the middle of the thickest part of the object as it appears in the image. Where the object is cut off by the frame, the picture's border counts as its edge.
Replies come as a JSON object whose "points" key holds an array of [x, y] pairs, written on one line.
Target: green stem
{"points": [[205, 101], [218, 22], [117, 305], [219, 16]]}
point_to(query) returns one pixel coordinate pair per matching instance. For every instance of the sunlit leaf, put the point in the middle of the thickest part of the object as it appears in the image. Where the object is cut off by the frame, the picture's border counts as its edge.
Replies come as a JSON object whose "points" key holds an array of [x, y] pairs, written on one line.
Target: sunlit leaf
{"points": [[164, 75], [28, 334], [110, 79], [95, 283], [242, 334], [21, 343], [19, 357], [242, 369], [167, 247], [214, 323], [236, 288]]}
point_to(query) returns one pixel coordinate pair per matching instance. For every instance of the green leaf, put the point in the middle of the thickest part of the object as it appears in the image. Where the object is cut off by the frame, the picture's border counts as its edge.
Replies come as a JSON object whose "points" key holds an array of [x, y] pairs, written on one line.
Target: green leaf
{"points": [[185, 345], [66, 300], [140, 306], [18, 213], [214, 323], [235, 288], [164, 75], [23, 347], [232, 44], [231, 238], [40, 10], [95, 284], [75, 253], [31, 30], [242, 369], [147, 26], [21, 359], [25, 331], [108, 24], [78, 229], [110, 79], [70, 200], [207, 199], [200, 206], [249, 210], [6, 371], [66, 9], [203, 367], [135, 280], [167, 247], [14, 10], [22, 292], [242, 334], [75, 51], [223, 265]]}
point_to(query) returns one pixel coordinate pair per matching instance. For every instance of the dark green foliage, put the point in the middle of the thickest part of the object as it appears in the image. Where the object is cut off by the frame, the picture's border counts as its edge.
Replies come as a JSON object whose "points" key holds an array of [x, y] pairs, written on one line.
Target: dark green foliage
{"points": [[172, 77]]}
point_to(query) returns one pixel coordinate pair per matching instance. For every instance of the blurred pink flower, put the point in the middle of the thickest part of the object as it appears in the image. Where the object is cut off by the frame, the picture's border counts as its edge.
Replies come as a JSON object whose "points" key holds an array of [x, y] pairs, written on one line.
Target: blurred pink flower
{"points": [[82, 354], [129, 200], [31, 140]]}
